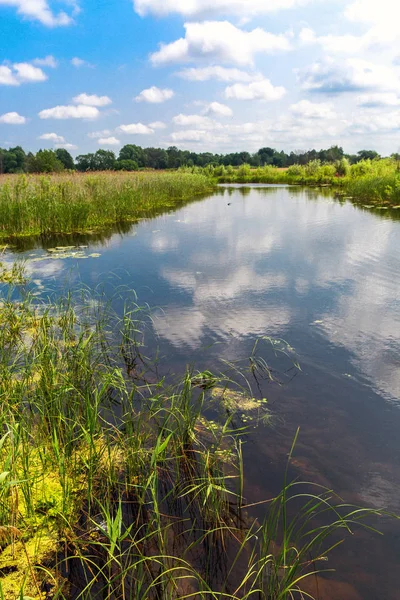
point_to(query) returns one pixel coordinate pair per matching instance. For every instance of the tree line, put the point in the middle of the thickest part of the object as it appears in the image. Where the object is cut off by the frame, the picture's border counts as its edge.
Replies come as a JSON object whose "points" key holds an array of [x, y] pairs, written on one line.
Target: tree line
{"points": [[133, 158]]}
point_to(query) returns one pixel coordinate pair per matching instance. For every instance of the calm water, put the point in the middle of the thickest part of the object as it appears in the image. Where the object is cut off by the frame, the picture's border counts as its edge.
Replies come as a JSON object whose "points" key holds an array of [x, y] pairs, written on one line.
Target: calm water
{"points": [[296, 265]]}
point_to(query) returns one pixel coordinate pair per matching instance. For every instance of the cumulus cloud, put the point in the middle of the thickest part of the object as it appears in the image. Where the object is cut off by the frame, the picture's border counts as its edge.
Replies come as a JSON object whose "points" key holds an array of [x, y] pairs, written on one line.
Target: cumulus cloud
{"points": [[334, 44], [136, 129], [18, 73], [257, 90], [313, 110], [221, 110], [349, 75], [70, 112], [155, 95], [219, 73], [189, 135], [220, 41], [79, 62], [12, 118], [157, 125], [47, 61], [375, 124], [217, 8], [384, 12], [94, 135], [38, 10], [92, 100], [193, 121], [52, 137], [109, 141], [67, 146], [26, 72], [378, 100]]}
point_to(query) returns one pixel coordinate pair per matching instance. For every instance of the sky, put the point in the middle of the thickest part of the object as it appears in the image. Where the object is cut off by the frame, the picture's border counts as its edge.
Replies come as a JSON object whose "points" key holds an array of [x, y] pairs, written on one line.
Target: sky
{"points": [[203, 75]]}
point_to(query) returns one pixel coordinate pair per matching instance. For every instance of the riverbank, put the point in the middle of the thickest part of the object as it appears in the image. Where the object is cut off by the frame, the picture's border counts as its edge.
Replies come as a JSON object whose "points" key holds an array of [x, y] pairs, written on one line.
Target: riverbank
{"points": [[115, 483], [368, 182], [68, 203]]}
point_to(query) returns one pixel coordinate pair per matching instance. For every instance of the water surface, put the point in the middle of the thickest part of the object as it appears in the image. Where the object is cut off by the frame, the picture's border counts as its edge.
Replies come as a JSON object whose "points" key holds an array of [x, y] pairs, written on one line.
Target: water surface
{"points": [[292, 264]]}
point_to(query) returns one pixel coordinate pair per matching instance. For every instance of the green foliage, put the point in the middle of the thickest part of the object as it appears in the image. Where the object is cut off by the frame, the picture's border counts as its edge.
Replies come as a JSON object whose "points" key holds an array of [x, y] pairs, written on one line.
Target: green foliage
{"points": [[65, 158], [126, 165], [45, 161], [80, 202], [125, 482]]}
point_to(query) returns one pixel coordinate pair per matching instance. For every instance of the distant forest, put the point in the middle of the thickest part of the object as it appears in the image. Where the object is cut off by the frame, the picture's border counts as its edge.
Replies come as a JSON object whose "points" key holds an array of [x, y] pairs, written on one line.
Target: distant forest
{"points": [[133, 158]]}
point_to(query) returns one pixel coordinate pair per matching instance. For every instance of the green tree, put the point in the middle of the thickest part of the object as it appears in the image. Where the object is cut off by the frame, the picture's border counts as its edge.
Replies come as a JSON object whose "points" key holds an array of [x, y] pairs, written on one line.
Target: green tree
{"points": [[126, 165], [367, 155], [45, 161], [65, 158], [132, 152]]}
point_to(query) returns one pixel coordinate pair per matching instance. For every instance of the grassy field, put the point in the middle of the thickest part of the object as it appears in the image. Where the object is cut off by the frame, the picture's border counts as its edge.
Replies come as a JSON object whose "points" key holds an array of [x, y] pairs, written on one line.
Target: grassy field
{"points": [[114, 484], [41, 205]]}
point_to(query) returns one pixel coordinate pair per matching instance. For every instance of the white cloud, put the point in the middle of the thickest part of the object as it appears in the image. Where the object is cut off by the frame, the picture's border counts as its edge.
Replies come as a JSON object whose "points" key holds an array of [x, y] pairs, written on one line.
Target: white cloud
{"points": [[189, 135], [47, 61], [218, 8], [92, 100], [155, 95], [349, 75], [368, 11], [193, 121], [333, 44], [7, 77], [136, 129], [67, 146], [52, 137], [26, 72], [79, 62], [38, 10], [219, 73], [312, 110], [157, 125], [378, 100], [110, 141], [99, 134], [215, 108], [70, 112], [18, 73], [222, 41], [258, 90], [366, 123], [12, 118]]}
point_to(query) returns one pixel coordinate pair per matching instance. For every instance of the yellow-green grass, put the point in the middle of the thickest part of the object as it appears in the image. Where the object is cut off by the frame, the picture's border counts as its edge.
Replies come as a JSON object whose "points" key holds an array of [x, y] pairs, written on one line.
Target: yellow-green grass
{"points": [[67, 203]]}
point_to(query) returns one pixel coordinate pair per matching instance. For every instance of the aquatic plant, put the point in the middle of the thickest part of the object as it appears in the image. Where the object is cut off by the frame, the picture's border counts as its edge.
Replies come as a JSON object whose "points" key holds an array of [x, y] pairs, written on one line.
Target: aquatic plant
{"points": [[65, 203]]}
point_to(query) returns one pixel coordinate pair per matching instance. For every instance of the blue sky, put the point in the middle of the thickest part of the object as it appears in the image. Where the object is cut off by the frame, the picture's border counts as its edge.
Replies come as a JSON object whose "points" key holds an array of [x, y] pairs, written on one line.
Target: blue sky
{"points": [[218, 75]]}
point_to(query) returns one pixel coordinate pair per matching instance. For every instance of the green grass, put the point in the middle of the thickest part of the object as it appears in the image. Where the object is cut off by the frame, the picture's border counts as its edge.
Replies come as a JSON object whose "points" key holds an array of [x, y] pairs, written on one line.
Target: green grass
{"points": [[114, 486], [374, 182], [44, 205]]}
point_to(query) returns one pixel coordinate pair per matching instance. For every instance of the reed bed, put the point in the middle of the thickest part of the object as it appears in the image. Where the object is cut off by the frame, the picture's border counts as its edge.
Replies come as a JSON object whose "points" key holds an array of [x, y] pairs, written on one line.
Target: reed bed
{"points": [[118, 484], [66, 203], [376, 182]]}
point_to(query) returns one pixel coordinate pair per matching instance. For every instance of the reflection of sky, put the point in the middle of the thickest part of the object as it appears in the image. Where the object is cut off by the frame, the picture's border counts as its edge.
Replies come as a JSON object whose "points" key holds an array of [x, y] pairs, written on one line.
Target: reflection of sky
{"points": [[268, 261], [288, 263]]}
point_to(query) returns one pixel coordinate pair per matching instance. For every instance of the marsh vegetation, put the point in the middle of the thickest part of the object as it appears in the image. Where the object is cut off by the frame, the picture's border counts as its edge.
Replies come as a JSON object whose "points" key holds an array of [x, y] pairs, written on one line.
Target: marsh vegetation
{"points": [[67, 203], [117, 482]]}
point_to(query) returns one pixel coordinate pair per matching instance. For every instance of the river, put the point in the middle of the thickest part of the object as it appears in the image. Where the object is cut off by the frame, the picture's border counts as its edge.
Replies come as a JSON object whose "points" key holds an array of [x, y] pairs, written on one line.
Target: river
{"points": [[290, 264]]}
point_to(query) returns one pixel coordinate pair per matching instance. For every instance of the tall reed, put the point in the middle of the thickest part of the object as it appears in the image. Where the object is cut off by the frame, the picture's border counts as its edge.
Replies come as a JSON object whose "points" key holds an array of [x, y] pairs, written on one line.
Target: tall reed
{"points": [[115, 487]]}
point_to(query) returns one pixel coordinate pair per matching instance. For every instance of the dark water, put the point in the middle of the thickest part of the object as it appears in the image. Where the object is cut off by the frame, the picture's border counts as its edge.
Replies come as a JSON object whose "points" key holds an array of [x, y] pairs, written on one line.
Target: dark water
{"points": [[291, 264]]}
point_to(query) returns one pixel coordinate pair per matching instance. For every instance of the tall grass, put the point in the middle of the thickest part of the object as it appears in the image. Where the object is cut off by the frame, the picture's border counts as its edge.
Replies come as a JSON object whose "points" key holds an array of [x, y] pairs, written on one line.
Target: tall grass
{"points": [[374, 181], [40, 205], [115, 487]]}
